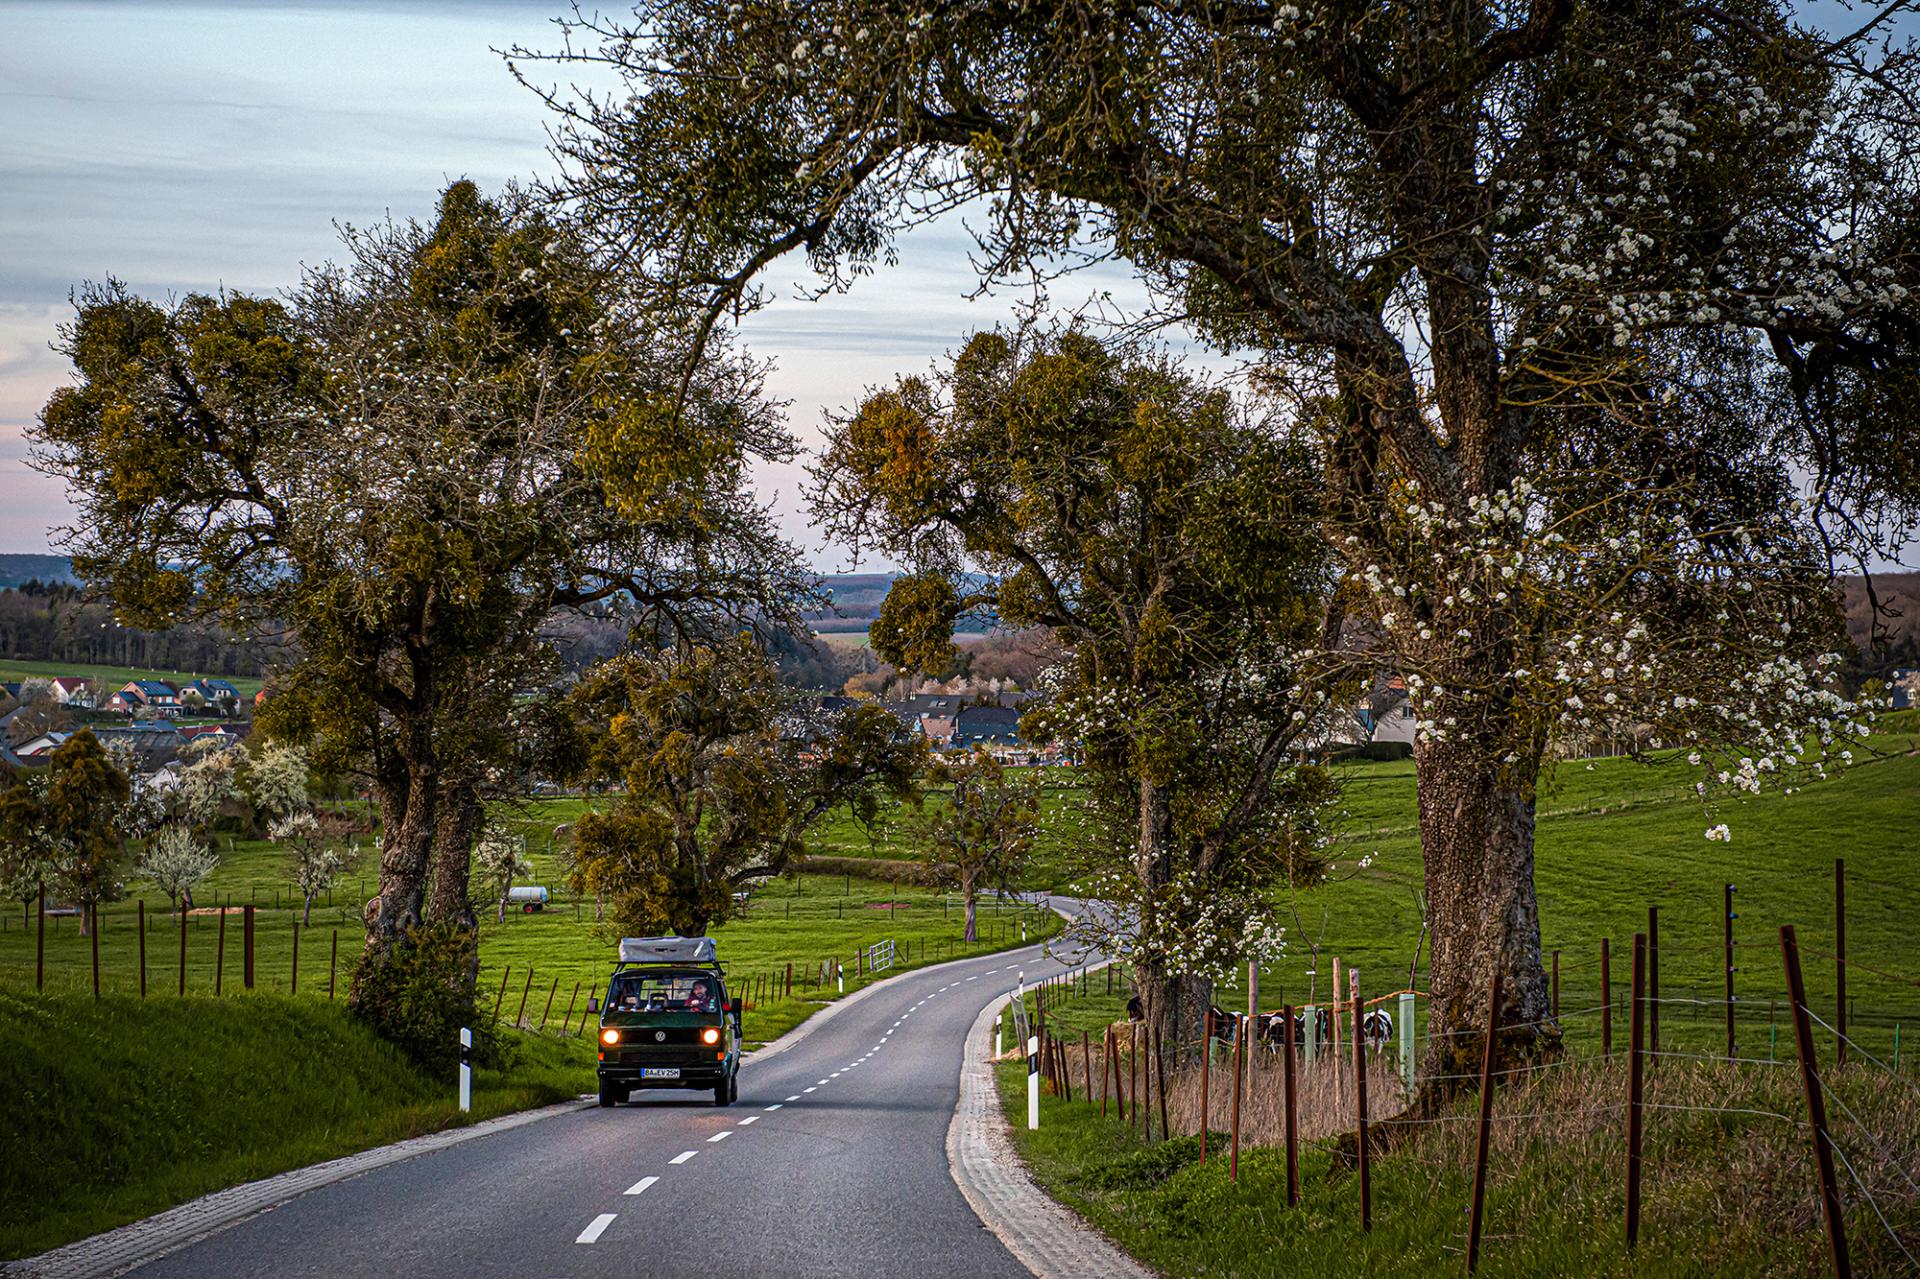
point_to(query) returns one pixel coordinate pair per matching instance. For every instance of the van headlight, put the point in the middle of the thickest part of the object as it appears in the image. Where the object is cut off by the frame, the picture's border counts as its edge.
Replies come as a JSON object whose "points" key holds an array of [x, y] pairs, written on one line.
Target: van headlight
{"points": [[711, 1035], [609, 1036]]}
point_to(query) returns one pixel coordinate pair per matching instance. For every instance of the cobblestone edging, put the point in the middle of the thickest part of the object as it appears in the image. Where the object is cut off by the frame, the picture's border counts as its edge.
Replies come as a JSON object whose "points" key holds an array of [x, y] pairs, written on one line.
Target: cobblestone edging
{"points": [[117, 1251], [1044, 1235]]}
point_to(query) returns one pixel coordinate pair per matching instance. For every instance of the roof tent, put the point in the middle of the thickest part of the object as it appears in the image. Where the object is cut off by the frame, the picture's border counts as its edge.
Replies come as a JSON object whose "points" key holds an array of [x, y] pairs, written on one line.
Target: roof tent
{"points": [[668, 950]]}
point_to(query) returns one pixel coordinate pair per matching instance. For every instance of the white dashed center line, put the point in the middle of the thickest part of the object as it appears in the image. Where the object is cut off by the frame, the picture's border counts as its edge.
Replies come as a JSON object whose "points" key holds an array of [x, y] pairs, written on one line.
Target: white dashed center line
{"points": [[795, 1097], [721, 1136], [806, 1090], [775, 1106], [750, 1119], [641, 1184], [683, 1156], [596, 1227]]}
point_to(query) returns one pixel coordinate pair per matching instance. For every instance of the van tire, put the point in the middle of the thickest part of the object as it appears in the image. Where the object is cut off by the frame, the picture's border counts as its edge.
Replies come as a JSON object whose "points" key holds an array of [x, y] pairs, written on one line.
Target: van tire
{"points": [[725, 1091], [611, 1096]]}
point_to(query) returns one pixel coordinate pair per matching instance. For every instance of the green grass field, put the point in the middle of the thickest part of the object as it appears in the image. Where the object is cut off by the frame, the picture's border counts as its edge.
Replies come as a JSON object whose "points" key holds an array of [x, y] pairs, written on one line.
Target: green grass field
{"points": [[123, 1107], [108, 678]]}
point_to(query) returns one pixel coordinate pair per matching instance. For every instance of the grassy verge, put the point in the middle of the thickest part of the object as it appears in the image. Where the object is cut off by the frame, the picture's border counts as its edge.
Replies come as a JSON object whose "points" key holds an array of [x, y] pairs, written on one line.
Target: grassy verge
{"points": [[1729, 1184], [117, 1109]]}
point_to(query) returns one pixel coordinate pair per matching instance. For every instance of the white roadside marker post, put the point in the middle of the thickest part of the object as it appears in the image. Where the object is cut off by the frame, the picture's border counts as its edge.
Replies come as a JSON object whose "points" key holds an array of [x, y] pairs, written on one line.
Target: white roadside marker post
{"points": [[1033, 1081], [999, 1041], [466, 1070]]}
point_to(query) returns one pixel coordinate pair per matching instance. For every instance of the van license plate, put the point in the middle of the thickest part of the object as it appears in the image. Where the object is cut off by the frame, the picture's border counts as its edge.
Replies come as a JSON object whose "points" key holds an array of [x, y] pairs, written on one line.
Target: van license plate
{"points": [[660, 1072]]}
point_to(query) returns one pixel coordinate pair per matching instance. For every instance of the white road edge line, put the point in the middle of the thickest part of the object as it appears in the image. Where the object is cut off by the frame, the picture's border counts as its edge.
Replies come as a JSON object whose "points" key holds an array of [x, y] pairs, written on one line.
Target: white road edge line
{"points": [[641, 1185], [596, 1228], [683, 1156]]}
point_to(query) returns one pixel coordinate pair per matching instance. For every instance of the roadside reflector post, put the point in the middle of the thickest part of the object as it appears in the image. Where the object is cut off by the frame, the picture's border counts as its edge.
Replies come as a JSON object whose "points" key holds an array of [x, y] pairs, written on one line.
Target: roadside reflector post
{"points": [[1033, 1081], [466, 1069], [1406, 1040], [999, 1040]]}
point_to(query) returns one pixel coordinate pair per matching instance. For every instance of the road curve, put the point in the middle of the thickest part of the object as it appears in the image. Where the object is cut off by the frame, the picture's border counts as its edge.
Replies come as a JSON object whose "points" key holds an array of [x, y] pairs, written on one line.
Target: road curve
{"points": [[832, 1163]]}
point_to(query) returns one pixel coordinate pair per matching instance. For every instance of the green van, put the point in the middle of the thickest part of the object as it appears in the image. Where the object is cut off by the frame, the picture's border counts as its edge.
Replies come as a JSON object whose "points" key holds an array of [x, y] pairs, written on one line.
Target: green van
{"points": [[666, 1021]]}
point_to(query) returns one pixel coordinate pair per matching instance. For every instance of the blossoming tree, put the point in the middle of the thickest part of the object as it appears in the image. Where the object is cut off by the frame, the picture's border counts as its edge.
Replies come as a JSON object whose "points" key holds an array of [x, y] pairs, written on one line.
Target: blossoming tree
{"points": [[1578, 300], [1169, 541]]}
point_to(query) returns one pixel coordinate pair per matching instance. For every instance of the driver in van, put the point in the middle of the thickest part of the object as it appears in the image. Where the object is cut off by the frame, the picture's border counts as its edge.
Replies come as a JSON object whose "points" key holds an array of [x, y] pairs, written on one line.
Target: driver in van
{"points": [[700, 997]]}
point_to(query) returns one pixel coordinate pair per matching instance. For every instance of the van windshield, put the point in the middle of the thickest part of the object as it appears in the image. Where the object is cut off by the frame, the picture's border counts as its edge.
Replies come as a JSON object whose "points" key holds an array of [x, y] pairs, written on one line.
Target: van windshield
{"points": [[660, 991]]}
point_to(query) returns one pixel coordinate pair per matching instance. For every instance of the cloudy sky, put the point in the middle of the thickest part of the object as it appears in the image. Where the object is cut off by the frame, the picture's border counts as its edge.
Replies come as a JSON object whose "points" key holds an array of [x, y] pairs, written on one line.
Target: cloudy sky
{"points": [[193, 146], [186, 147]]}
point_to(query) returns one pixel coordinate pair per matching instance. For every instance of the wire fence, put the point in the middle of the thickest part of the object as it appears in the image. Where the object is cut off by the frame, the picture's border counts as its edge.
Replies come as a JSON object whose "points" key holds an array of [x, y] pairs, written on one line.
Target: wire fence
{"points": [[1690, 1115]]}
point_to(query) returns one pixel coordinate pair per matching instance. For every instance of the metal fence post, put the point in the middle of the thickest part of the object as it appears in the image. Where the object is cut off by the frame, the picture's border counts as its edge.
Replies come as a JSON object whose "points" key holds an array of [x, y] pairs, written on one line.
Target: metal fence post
{"points": [[1636, 1057], [1406, 1039], [1360, 1103], [1840, 959], [1479, 1204], [1816, 1102], [1292, 1123], [1727, 901]]}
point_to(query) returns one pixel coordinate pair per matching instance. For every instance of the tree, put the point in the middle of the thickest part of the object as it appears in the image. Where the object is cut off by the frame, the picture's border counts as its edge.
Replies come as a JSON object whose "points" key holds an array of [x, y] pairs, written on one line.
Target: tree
{"points": [[1168, 539], [407, 467], [984, 835], [721, 779], [1593, 310], [498, 859], [78, 816], [316, 861], [276, 780], [207, 781], [39, 712], [177, 858]]}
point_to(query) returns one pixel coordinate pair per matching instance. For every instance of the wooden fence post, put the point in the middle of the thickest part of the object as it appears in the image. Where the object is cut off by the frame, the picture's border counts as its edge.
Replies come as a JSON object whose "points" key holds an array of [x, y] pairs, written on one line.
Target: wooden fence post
{"points": [[183, 947], [40, 945], [94, 934], [545, 1012], [293, 987], [1636, 1081], [1816, 1101], [220, 951], [246, 949], [143, 947], [333, 962], [566, 1022], [500, 997], [1293, 1131], [1479, 1205], [1086, 1061], [1360, 1099], [522, 1012]]}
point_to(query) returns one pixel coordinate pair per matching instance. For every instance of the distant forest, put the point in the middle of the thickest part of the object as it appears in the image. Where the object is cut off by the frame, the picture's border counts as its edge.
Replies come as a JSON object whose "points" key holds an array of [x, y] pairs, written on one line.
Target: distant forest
{"points": [[42, 620]]}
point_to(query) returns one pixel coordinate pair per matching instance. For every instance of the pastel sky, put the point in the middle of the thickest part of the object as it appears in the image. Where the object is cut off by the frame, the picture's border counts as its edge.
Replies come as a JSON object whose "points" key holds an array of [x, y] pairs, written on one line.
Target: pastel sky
{"points": [[191, 146]]}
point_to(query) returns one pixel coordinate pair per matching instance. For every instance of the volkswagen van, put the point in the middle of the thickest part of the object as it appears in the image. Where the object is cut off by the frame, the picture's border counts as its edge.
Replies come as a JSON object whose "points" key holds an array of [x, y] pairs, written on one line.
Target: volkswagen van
{"points": [[666, 1021]]}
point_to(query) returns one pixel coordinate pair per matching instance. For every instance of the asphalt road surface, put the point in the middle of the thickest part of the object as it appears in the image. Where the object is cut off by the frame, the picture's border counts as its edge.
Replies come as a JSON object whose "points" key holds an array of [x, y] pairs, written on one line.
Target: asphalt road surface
{"points": [[832, 1163]]}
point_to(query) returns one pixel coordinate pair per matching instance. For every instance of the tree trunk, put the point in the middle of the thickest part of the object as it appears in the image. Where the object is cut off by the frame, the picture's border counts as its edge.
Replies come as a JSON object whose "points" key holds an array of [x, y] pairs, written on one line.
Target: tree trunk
{"points": [[969, 892], [1175, 1003], [1476, 837], [457, 814], [406, 794], [306, 913]]}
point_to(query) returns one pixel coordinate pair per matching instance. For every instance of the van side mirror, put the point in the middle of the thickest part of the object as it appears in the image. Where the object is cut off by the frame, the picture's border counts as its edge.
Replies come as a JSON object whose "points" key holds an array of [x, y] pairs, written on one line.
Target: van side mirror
{"points": [[733, 1007], [593, 1003]]}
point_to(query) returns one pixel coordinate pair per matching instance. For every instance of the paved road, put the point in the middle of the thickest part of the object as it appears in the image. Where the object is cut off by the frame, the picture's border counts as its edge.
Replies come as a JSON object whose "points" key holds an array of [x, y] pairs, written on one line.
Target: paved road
{"points": [[832, 1163]]}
